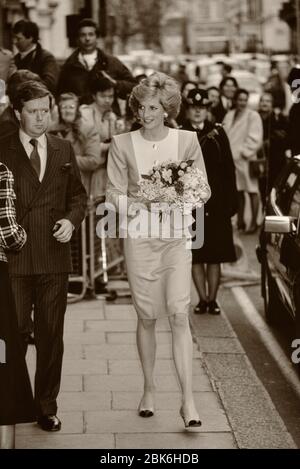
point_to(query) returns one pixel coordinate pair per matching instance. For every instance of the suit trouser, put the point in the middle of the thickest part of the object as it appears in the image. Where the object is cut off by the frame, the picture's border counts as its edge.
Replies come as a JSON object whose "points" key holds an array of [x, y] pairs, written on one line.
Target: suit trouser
{"points": [[48, 294]]}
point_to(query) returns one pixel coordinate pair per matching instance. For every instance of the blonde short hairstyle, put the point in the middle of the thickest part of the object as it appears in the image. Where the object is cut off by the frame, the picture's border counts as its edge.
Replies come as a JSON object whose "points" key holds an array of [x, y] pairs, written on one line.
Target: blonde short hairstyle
{"points": [[159, 85]]}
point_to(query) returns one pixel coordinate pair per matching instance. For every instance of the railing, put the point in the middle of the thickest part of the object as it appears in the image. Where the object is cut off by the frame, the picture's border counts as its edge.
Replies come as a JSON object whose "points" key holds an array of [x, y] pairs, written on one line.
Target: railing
{"points": [[94, 258]]}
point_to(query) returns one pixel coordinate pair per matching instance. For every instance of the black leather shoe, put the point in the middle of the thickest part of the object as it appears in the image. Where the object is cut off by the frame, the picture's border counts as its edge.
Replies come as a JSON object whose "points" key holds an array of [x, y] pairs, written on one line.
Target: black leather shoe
{"points": [[214, 308], [201, 307], [49, 423]]}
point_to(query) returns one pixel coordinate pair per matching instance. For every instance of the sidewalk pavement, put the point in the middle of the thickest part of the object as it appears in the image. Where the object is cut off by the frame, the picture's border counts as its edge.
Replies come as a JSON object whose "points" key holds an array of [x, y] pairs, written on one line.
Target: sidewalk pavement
{"points": [[102, 386]]}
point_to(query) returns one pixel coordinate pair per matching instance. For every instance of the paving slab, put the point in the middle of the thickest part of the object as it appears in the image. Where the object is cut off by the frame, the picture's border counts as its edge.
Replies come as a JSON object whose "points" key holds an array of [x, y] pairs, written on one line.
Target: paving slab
{"points": [[59, 441], [164, 421], [77, 401], [85, 367], [114, 351], [71, 383], [184, 440], [162, 367], [162, 337], [166, 401], [132, 383], [84, 338]]}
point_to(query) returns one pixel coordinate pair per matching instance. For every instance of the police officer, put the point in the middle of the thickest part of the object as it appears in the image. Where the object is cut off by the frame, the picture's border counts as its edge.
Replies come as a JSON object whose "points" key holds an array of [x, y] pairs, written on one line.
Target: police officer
{"points": [[218, 244]]}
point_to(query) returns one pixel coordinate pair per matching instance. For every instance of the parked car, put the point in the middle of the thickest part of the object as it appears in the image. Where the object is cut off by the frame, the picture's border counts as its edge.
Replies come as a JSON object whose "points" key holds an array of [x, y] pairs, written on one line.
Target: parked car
{"points": [[279, 248]]}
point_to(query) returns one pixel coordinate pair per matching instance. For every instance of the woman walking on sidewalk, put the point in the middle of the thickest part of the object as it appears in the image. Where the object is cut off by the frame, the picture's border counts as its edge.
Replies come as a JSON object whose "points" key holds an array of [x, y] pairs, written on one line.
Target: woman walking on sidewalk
{"points": [[16, 400], [158, 267]]}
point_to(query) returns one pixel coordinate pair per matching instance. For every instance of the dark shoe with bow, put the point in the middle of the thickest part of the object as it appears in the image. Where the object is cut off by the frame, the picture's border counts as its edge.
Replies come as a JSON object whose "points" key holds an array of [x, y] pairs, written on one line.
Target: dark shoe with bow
{"points": [[214, 308], [49, 423], [201, 307]]}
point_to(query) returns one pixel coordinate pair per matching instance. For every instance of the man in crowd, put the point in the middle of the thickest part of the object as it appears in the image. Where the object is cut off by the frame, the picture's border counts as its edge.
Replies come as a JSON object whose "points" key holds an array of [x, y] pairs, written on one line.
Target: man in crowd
{"points": [[8, 120], [32, 56], [275, 143], [51, 203], [7, 64], [88, 62]]}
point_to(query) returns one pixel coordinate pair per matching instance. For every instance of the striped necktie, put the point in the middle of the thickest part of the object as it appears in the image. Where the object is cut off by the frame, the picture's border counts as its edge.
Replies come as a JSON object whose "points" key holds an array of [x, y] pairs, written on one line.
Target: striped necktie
{"points": [[35, 159]]}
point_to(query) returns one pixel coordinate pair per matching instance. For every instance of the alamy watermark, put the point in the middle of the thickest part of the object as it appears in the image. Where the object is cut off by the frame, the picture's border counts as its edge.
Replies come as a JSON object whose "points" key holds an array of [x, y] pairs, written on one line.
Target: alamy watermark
{"points": [[296, 353], [2, 351], [136, 220], [296, 90], [2, 88]]}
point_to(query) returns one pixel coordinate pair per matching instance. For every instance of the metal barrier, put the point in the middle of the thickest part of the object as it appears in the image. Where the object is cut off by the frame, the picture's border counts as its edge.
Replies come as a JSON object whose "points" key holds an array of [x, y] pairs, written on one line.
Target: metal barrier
{"points": [[93, 257]]}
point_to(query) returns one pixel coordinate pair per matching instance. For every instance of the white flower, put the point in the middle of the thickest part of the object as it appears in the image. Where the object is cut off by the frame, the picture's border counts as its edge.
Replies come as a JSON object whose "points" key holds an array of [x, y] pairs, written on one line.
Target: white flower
{"points": [[183, 165]]}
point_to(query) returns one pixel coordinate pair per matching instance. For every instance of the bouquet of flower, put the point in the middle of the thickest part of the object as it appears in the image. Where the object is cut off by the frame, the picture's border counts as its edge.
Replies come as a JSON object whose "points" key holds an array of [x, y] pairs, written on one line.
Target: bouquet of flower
{"points": [[177, 184]]}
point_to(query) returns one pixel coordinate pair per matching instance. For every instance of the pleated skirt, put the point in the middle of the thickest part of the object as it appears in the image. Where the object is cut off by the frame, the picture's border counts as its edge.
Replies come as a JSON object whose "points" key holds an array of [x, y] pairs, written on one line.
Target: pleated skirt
{"points": [[159, 275]]}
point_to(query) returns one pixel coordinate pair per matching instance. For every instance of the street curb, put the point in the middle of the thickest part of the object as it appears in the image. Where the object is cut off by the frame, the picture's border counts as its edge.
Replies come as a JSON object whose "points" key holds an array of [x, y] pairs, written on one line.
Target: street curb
{"points": [[252, 416]]}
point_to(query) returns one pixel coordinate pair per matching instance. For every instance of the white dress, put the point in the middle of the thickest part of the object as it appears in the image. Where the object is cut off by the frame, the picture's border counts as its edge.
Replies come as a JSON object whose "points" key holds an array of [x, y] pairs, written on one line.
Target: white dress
{"points": [[158, 268]]}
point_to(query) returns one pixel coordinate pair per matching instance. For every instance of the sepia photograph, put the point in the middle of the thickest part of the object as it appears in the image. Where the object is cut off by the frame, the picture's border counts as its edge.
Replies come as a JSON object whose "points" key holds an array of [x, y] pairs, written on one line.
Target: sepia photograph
{"points": [[149, 229]]}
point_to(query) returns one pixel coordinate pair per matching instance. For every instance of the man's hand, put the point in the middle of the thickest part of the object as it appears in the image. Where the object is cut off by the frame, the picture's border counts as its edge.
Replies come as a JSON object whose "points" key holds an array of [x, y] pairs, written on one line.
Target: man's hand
{"points": [[64, 232]]}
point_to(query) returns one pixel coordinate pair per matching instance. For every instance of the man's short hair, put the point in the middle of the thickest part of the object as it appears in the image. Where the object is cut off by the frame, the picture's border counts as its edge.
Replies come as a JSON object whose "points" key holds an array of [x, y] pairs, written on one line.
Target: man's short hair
{"points": [[27, 28], [87, 23], [101, 84], [28, 91], [17, 78]]}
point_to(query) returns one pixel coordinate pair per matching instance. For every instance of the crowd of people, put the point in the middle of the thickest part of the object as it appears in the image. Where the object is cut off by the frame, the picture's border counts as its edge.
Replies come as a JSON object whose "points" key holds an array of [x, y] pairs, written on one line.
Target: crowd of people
{"points": [[90, 130]]}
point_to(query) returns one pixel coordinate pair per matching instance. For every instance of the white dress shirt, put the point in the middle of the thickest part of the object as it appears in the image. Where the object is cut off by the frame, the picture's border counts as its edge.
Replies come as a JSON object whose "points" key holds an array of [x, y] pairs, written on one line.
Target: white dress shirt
{"points": [[88, 60], [41, 148]]}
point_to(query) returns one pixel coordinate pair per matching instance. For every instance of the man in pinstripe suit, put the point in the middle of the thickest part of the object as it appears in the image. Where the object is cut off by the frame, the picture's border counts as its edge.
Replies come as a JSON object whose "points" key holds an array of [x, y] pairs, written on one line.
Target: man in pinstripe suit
{"points": [[51, 203]]}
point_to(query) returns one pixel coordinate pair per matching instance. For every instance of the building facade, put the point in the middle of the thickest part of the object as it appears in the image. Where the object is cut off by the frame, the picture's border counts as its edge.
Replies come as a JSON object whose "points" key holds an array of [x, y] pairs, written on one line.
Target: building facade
{"points": [[187, 26]]}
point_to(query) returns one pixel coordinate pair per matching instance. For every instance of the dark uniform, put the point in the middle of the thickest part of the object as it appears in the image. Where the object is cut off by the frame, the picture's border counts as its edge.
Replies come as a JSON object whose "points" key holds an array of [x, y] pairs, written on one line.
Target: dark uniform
{"points": [[218, 239]]}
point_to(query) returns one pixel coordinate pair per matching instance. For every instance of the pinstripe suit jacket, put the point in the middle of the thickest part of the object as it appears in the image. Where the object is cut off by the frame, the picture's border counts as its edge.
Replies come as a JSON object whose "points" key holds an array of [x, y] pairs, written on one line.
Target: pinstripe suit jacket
{"points": [[40, 204]]}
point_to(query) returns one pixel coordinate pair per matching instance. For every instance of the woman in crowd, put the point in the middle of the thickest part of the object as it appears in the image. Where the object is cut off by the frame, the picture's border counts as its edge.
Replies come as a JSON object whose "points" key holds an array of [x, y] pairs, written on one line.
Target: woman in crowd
{"points": [[158, 267], [185, 88], [100, 116], [16, 400], [85, 141], [228, 87], [218, 239], [245, 132]]}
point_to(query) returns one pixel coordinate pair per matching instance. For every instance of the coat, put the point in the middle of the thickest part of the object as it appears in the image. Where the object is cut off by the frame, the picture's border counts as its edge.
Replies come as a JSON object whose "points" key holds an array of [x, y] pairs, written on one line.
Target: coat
{"points": [[74, 77], [218, 239], [41, 62], [16, 400], [7, 64], [245, 135], [40, 204]]}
